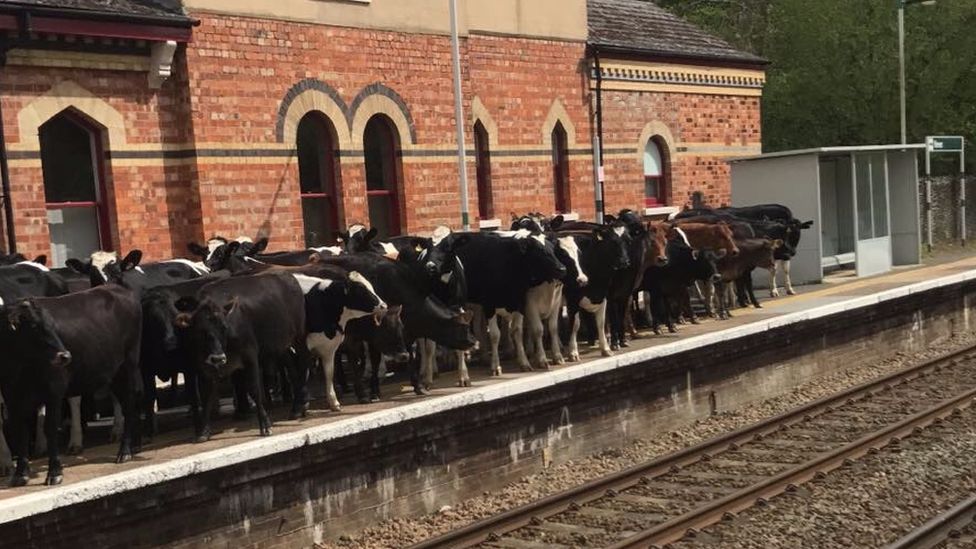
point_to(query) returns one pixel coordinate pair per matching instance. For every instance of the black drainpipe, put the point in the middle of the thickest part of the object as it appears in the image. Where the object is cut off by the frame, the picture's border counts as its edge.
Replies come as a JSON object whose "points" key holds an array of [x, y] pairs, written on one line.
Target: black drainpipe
{"points": [[8, 207], [599, 124]]}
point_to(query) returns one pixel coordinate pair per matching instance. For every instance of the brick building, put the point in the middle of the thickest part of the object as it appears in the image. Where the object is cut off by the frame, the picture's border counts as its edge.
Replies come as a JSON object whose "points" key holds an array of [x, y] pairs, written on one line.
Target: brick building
{"points": [[149, 124]]}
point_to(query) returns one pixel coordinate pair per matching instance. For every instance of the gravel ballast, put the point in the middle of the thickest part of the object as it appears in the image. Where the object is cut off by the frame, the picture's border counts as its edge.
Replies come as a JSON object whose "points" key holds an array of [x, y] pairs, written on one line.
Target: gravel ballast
{"points": [[402, 532]]}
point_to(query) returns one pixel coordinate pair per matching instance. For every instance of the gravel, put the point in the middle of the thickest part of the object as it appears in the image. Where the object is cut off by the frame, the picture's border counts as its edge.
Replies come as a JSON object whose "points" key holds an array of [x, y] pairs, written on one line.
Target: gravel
{"points": [[876, 500], [401, 532]]}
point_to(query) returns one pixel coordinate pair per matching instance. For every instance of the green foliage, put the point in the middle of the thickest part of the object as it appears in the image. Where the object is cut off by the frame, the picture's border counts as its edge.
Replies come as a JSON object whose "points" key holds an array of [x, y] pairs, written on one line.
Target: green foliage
{"points": [[833, 78]]}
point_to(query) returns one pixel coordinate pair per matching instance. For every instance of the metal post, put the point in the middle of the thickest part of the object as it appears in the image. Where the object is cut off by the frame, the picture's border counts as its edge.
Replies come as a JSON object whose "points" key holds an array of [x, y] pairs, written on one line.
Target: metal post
{"points": [[597, 177], [901, 69], [962, 194], [459, 119], [928, 199]]}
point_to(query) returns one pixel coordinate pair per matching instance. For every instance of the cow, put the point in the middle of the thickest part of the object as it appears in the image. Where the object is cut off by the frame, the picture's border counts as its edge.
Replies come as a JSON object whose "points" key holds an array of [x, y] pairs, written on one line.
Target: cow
{"points": [[668, 283], [71, 345], [17, 281], [219, 253], [104, 267], [501, 267], [424, 315], [603, 252], [357, 238], [368, 344], [10, 259], [753, 253], [244, 323]]}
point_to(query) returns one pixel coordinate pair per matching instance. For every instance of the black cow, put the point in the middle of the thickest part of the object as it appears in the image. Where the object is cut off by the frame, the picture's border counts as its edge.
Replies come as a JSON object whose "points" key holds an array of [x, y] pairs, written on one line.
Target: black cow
{"points": [[668, 285], [368, 344], [244, 323], [70, 345], [357, 238]]}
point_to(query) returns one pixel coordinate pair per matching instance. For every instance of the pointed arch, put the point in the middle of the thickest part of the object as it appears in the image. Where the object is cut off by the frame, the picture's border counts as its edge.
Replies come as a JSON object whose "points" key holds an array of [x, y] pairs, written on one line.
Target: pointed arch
{"points": [[479, 113], [558, 115], [65, 95]]}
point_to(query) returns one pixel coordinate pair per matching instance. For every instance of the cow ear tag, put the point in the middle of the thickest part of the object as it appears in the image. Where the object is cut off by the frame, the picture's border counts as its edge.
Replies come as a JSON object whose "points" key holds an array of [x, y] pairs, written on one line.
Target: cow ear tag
{"points": [[419, 249]]}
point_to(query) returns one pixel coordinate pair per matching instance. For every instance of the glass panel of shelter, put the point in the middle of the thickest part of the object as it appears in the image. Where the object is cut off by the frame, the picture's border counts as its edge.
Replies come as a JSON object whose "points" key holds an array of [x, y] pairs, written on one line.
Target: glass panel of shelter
{"points": [[871, 184]]}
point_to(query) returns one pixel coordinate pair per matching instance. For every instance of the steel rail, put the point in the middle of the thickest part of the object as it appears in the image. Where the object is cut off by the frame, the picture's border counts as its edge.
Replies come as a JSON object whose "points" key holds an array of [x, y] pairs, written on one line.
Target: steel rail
{"points": [[519, 517], [939, 529], [713, 512]]}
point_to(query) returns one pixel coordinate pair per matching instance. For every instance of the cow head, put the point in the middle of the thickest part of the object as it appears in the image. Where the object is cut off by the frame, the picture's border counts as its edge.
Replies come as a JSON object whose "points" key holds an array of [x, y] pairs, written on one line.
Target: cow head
{"points": [[614, 246], [159, 321], [208, 326], [361, 297], [36, 332], [539, 257], [568, 253], [356, 238], [434, 320], [104, 267], [725, 239], [657, 240], [223, 254], [389, 338]]}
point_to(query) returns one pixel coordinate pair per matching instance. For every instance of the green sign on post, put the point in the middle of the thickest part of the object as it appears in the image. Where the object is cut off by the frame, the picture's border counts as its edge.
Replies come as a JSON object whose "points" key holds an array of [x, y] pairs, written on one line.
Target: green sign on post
{"points": [[944, 143]]}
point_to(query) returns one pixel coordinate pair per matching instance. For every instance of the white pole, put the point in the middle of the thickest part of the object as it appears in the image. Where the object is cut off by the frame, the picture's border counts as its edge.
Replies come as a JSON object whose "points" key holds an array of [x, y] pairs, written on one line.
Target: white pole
{"points": [[901, 69], [962, 192], [459, 118]]}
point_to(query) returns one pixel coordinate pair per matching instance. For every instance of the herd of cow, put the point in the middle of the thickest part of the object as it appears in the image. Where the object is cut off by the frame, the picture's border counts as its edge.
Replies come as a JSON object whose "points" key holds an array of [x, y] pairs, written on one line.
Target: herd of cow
{"points": [[263, 320]]}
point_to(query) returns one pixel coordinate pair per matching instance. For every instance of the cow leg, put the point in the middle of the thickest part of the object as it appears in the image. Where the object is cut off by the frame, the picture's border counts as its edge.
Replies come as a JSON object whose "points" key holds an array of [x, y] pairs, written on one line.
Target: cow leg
{"points": [[574, 325], [751, 292], [23, 419], [428, 354], [462, 366], [242, 405], [191, 382], [208, 394], [149, 403], [6, 459], [40, 439], [600, 316], [252, 365], [376, 363], [786, 276], [533, 321], [552, 322], [117, 425], [75, 442], [325, 348], [298, 375], [686, 306], [358, 358], [55, 473], [517, 330], [494, 336]]}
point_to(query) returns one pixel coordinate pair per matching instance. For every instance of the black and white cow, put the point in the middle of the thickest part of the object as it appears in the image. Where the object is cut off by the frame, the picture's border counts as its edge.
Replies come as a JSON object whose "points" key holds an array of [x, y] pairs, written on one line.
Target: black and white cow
{"points": [[80, 343], [105, 267], [223, 254], [501, 268]]}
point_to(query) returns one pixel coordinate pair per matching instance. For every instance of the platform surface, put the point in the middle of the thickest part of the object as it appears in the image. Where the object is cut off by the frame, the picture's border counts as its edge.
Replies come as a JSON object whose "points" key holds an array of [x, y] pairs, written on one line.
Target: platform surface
{"points": [[172, 455]]}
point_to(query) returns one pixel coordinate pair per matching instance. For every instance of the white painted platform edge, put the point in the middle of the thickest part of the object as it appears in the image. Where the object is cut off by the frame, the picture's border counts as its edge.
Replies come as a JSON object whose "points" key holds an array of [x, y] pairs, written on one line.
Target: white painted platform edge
{"points": [[53, 498]]}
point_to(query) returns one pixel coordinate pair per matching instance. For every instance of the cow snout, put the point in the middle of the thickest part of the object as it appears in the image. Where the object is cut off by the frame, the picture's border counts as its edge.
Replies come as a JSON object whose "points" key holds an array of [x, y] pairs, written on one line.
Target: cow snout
{"points": [[734, 252], [582, 280], [61, 358], [661, 261], [170, 343], [217, 360], [402, 357], [716, 278], [431, 267]]}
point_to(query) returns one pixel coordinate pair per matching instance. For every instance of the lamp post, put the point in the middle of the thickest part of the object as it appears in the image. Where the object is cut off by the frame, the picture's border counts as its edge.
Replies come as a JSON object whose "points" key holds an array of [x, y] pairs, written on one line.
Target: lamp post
{"points": [[901, 58]]}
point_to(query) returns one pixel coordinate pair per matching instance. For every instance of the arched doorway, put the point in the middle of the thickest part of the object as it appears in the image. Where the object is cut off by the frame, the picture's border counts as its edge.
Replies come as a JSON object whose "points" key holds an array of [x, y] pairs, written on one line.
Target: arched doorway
{"points": [[656, 191], [382, 154], [560, 168], [318, 175], [72, 162], [483, 165]]}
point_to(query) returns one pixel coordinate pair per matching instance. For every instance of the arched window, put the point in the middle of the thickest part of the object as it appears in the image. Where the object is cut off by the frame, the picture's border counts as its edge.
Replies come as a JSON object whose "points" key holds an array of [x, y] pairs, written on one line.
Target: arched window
{"points": [[656, 191], [318, 175], [560, 168], [72, 162], [483, 163], [382, 151]]}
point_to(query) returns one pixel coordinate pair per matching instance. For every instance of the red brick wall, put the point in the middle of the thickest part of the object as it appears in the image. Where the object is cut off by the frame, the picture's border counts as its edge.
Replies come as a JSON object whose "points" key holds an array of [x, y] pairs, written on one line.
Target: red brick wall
{"points": [[713, 121]]}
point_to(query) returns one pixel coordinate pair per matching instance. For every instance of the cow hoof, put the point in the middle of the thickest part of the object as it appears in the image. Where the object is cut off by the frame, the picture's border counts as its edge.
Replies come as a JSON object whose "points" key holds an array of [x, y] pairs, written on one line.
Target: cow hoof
{"points": [[790, 292], [526, 367], [374, 399], [362, 400], [54, 480], [74, 449], [335, 407], [695, 321], [559, 361], [465, 382], [18, 480], [574, 357], [758, 306], [672, 330], [775, 293], [613, 347], [624, 345], [266, 431], [420, 391], [606, 352], [199, 439], [123, 457]]}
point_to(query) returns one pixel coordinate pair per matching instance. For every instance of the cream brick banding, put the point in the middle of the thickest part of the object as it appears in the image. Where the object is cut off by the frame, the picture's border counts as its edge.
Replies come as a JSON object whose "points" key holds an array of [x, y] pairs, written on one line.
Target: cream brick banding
{"points": [[380, 104], [35, 503], [63, 95], [317, 101], [480, 112], [557, 113]]}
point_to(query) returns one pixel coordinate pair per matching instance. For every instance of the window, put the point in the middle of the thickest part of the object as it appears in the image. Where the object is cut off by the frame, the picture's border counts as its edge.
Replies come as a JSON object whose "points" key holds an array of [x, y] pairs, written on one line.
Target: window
{"points": [[483, 166], [318, 175], [560, 169], [382, 152], [72, 162], [655, 175]]}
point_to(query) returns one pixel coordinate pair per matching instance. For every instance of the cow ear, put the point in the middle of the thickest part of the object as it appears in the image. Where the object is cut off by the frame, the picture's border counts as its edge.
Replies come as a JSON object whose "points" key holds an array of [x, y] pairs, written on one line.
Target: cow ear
{"points": [[556, 222], [598, 234], [259, 247], [231, 306], [778, 243], [806, 224], [232, 247], [371, 234], [459, 239], [464, 317], [78, 266], [314, 257], [197, 249], [41, 259], [131, 261]]}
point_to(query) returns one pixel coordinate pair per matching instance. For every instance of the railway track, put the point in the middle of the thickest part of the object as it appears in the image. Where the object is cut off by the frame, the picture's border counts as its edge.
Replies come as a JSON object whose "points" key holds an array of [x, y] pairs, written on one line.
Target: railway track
{"points": [[664, 500], [954, 528]]}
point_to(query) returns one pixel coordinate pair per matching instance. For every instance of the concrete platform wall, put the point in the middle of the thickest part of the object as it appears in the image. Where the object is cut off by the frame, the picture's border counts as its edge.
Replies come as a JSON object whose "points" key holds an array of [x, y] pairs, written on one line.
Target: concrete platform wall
{"points": [[300, 489]]}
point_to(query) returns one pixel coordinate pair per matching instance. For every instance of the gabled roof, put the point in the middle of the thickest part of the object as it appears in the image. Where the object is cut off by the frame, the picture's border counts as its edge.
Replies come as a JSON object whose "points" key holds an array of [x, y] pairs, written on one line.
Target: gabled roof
{"points": [[641, 27], [156, 11]]}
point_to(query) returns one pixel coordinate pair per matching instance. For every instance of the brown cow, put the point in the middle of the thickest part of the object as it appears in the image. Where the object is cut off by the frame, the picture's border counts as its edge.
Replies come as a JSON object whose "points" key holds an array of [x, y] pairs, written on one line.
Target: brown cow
{"points": [[710, 236], [753, 253]]}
